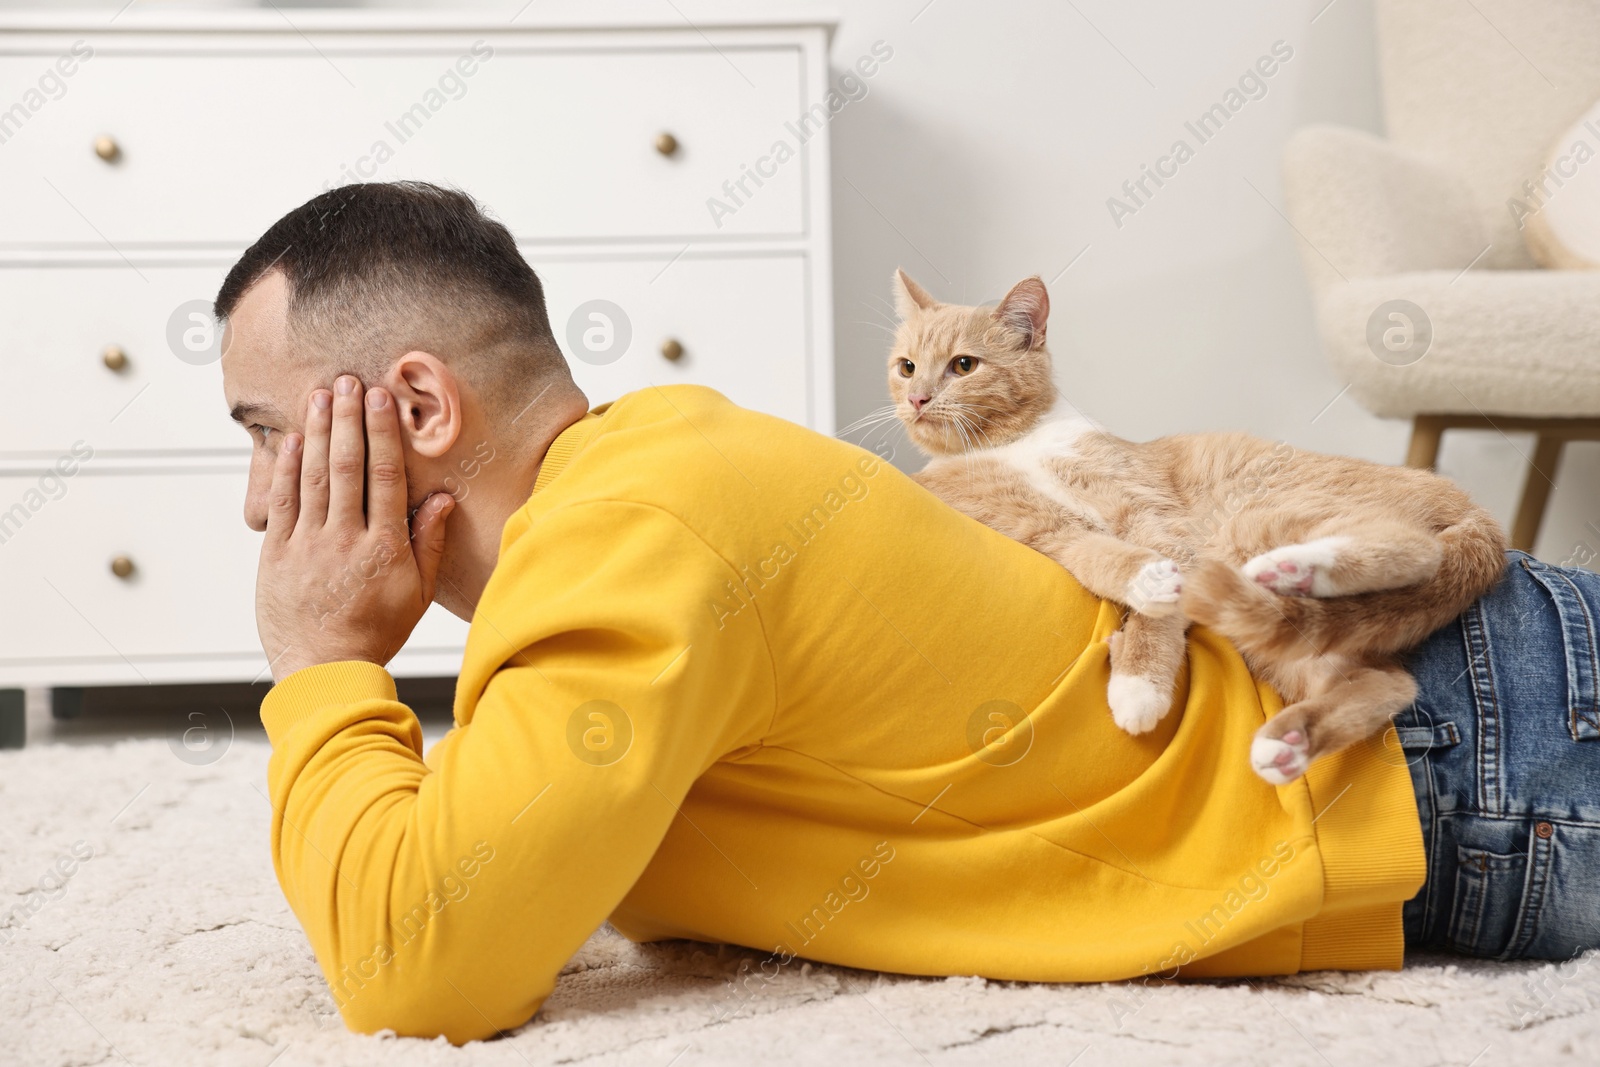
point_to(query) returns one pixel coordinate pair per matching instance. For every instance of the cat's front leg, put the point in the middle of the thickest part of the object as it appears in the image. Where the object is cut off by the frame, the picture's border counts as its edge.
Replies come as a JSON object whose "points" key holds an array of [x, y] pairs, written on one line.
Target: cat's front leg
{"points": [[1113, 569], [1155, 588], [1146, 655]]}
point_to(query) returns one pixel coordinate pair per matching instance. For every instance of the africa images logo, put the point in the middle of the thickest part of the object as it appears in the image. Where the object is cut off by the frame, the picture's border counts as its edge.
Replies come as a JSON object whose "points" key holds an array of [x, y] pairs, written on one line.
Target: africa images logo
{"points": [[192, 333], [1399, 333]]}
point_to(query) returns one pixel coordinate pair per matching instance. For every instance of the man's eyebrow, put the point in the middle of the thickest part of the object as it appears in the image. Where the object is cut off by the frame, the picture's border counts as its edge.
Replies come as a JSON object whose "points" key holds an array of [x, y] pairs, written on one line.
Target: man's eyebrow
{"points": [[243, 413]]}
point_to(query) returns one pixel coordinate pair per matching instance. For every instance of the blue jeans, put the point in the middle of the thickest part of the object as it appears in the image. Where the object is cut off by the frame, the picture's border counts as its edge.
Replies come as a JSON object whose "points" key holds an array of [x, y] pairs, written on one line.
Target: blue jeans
{"points": [[1503, 745]]}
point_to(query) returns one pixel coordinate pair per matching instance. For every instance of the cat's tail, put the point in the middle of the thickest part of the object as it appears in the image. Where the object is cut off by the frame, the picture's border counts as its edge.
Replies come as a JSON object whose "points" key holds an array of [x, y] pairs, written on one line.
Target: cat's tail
{"points": [[1262, 622], [1218, 595], [1474, 560]]}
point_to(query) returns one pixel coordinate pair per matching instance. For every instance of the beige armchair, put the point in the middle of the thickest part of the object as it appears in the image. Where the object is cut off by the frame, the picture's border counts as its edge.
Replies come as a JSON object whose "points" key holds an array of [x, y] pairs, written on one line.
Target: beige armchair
{"points": [[1429, 305]]}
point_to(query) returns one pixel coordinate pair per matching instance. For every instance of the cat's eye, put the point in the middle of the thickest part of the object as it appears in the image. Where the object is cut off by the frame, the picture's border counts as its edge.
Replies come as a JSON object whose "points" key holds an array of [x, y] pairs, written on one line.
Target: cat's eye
{"points": [[907, 368], [963, 365]]}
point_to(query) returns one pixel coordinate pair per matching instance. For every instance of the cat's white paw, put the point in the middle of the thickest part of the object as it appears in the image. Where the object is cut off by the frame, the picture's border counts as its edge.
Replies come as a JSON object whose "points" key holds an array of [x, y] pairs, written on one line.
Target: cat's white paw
{"points": [[1154, 590], [1280, 760], [1137, 704], [1297, 570]]}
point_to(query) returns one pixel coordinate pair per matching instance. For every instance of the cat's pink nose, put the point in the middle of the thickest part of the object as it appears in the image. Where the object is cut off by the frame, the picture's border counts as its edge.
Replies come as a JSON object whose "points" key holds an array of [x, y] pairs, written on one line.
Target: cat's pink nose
{"points": [[918, 401]]}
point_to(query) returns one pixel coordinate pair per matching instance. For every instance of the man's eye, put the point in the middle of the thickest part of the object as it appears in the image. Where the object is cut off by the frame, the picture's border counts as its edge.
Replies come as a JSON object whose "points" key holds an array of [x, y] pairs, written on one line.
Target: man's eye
{"points": [[907, 368], [261, 432], [964, 364]]}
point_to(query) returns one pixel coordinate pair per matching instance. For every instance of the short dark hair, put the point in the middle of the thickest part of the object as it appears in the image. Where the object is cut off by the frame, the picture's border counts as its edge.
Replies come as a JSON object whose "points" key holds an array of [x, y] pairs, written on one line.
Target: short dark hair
{"points": [[377, 269]]}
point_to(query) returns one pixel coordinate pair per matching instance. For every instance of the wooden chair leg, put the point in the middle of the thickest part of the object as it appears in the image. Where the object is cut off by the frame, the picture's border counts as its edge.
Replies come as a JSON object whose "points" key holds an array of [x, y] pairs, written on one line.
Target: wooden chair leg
{"points": [[1426, 430], [1536, 492]]}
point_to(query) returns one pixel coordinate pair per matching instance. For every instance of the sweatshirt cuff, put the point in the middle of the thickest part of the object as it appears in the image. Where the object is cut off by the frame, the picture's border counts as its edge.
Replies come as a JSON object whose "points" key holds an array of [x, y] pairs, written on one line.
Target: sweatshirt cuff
{"points": [[307, 691]]}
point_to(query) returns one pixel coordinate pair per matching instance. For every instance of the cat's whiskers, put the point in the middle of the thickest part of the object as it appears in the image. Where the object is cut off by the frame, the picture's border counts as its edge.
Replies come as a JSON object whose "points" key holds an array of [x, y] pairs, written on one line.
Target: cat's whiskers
{"points": [[934, 412], [881, 430], [872, 418], [946, 411], [977, 422], [888, 305], [868, 425], [968, 426], [961, 421], [976, 405], [966, 442], [890, 330], [891, 318], [971, 446]]}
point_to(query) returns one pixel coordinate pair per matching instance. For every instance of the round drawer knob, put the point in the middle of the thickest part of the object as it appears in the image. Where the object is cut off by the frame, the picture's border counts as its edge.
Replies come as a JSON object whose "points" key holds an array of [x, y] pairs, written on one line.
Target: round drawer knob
{"points": [[672, 349], [106, 148], [122, 566], [666, 144], [114, 357]]}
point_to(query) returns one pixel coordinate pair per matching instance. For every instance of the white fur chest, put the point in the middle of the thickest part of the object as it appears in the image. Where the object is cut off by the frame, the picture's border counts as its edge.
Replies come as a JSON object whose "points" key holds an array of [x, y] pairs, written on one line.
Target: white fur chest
{"points": [[1055, 437]]}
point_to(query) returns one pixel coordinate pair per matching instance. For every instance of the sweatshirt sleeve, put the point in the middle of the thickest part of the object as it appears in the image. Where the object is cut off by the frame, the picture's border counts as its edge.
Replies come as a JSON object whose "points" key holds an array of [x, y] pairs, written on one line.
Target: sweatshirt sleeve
{"points": [[443, 897]]}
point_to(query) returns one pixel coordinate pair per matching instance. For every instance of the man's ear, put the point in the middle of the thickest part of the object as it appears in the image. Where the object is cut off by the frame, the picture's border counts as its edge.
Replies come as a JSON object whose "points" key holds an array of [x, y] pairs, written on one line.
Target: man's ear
{"points": [[427, 395], [909, 297], [1026, 310]]}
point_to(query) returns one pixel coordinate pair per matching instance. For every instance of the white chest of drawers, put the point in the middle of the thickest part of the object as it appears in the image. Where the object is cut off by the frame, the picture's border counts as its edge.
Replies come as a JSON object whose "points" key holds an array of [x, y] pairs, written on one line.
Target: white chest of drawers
{"points": [[139, 158]]}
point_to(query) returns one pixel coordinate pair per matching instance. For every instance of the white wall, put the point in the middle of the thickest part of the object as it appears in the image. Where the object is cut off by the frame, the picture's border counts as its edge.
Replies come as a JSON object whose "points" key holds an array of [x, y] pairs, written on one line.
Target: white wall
{"points": [[986, 149]]}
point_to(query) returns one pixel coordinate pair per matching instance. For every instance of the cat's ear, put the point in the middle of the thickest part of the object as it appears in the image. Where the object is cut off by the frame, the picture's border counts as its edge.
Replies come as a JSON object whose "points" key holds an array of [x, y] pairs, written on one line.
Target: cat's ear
{"points": [[1026, 310], [909, 297]]}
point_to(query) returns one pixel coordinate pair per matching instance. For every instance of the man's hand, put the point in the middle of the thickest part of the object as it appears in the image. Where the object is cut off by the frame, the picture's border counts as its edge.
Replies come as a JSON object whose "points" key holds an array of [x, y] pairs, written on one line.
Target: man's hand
{"points": [[339, 581]]}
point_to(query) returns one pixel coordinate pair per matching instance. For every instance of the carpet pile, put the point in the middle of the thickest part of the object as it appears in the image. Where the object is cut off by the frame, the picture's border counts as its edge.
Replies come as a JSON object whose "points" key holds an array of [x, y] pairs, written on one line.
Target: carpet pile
{"points": [[168, 942]]}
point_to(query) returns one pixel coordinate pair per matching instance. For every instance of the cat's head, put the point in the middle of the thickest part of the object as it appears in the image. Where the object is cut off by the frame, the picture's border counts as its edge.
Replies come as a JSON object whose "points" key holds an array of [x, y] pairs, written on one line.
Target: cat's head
{"points": [[970, 377]]}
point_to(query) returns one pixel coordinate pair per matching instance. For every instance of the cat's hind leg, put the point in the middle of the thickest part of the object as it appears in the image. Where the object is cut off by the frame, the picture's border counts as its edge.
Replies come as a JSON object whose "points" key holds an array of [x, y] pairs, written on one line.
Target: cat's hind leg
{"points": [[1348, 558], [1349, 702], [1146, 655]]}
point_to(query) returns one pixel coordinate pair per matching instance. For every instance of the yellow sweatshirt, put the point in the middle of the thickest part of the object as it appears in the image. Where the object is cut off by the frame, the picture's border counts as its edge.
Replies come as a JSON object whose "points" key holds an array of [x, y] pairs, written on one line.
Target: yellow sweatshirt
{"points": [[735, 681]]}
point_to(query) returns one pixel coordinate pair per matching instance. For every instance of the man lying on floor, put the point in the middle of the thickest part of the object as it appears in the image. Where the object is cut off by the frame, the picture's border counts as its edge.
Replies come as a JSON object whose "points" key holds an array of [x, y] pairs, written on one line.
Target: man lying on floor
{"points": [[732, 680]]}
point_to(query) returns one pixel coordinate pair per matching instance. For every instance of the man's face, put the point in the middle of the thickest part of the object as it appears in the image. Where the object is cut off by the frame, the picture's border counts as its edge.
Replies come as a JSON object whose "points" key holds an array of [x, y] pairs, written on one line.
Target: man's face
{"points": [[267, 388]]}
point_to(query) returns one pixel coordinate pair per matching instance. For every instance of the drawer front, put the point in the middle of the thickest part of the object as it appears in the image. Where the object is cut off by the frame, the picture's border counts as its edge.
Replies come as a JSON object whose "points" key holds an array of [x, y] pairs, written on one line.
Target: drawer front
{"points": [[561, 145], [56, 324], [742, 323], [192, 589]]}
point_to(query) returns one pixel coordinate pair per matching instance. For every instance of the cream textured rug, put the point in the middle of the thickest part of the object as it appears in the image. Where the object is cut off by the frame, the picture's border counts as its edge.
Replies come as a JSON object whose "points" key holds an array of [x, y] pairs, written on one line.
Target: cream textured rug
{"points": [[170, 944]]}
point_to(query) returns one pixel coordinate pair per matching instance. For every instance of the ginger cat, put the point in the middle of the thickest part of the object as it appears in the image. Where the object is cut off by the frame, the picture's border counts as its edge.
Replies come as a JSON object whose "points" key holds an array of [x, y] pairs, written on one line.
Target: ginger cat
{"points": [[1322, 570]]}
